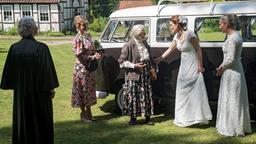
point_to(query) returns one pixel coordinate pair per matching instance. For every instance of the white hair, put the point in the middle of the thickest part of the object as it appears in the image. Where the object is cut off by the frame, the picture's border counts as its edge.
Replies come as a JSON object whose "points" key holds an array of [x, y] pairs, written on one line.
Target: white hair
{"points": [[27, 27], [136, 30]]}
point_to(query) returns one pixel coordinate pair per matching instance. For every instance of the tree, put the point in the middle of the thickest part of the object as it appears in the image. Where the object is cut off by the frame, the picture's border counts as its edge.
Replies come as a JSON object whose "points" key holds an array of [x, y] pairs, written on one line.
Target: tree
{"points": [[101, 8]]}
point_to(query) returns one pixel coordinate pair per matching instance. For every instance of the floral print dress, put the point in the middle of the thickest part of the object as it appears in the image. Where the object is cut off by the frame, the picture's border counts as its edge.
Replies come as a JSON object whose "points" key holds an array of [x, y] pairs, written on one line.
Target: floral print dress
{"points": [[83, 91]]}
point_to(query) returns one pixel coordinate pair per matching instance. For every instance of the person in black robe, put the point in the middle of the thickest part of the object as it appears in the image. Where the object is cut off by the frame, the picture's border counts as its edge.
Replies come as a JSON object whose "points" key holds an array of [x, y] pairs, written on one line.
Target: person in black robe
{"points": [[30, 72]]}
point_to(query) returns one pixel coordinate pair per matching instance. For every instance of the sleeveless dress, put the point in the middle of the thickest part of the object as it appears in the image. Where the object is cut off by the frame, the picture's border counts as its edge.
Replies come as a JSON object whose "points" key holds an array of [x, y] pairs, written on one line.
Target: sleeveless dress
{"points": [[233, 118], [191, 102]]}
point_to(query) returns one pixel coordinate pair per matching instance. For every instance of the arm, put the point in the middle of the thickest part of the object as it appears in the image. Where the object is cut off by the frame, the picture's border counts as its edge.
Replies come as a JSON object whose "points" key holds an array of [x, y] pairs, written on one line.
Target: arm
{"points": [[228, 59], [230, 56], [123, 60], [48, 77], [196, 45], [170, 50], [8, 81]]}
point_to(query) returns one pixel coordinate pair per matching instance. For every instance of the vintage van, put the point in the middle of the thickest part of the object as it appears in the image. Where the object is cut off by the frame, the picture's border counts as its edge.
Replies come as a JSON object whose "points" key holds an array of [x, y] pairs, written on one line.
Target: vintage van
{"points": [[203, 19]]}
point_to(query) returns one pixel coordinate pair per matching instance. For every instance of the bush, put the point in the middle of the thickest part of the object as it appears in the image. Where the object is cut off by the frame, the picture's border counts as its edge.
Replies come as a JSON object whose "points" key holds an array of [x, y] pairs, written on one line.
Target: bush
{"points": [[98, 24], [12, 31], [51, 33], [2, 32]]}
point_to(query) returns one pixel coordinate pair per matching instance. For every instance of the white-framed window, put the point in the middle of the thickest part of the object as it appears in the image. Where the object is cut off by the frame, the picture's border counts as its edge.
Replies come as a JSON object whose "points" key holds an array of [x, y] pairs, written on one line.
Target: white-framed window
{"points": [[43, 12], [7, 13], [207, 29], [26, 10], [119, 31]]}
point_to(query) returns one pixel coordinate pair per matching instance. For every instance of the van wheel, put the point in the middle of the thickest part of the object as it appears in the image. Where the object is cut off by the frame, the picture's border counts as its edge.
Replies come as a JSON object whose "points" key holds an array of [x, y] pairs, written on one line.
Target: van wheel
{"points": [[119, 98]]}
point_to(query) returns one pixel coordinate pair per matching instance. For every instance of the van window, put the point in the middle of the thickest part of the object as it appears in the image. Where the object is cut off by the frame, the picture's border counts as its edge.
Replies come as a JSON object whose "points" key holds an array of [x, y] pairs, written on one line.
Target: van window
{"points": [[109, 30], [253, 26], [248, 28], [119, 31], [163, 33], [207, 29]]}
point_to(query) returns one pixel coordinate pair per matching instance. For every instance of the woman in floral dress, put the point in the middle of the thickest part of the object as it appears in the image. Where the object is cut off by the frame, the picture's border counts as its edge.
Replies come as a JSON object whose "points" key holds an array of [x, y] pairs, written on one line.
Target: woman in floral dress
{"points": [[135, 58], [83, 91]]}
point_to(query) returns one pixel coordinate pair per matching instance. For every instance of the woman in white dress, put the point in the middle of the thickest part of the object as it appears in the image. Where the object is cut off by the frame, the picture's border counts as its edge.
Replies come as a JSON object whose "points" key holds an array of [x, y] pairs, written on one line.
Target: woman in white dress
{"points": [[233, 117], [191, 103]]}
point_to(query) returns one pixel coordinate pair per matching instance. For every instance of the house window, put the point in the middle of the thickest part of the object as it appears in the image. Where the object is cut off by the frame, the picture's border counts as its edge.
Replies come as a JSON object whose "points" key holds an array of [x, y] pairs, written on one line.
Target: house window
{"points": [[44, 12], [8, 13], [26, 10]]}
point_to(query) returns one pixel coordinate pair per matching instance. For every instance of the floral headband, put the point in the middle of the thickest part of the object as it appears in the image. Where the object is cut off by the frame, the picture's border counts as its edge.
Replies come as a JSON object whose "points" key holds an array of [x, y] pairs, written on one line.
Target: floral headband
{"points": [[182, 20]]}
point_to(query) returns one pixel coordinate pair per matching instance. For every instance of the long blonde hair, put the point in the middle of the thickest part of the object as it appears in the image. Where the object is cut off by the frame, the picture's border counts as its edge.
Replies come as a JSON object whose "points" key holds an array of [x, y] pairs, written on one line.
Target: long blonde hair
{"points": [[80, 20]]}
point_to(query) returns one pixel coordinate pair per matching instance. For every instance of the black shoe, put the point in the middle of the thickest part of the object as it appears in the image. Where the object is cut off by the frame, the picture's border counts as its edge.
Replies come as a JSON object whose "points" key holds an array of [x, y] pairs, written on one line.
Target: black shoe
{"points": [[132, 121], [148, 121]]}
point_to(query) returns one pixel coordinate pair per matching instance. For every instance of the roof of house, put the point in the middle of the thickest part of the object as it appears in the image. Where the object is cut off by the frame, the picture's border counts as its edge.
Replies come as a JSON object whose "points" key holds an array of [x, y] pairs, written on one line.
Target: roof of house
{"points": [[134, 3], [29, 1]]}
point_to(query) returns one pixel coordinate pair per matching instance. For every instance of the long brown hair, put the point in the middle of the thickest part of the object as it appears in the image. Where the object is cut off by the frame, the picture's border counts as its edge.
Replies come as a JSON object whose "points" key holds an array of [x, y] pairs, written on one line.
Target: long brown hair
{"points": [[180, 21]]}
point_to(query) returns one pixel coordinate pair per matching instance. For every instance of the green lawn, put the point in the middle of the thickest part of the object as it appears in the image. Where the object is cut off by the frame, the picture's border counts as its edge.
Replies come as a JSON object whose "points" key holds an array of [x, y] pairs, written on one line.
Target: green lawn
{"points": [[110, 127]]}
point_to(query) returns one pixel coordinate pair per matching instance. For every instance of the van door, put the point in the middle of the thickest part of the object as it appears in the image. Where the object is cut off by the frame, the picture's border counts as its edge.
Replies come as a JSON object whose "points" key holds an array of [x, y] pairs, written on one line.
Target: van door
{"points": [[115, 35]]}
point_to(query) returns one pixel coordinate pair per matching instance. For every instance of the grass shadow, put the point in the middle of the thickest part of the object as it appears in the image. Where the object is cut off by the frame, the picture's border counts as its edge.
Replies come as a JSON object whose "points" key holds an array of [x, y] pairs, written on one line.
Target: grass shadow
{"points": [[114, 131], [3, 50]]}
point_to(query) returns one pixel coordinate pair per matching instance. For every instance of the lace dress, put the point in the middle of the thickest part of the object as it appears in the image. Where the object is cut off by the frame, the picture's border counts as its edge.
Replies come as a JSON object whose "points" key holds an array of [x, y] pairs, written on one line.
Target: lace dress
{"points": [[233, 117], [191, 102]]}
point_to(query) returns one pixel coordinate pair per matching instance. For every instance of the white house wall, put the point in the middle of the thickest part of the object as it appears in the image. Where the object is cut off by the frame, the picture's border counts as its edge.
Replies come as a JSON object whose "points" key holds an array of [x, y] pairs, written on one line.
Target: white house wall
{"points": [[52, 24], [35, 13], [60, 15]]}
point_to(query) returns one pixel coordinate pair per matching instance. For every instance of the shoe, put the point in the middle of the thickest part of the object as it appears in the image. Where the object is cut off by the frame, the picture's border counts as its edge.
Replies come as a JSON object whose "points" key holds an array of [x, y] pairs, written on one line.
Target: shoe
{"points": [[82, 116], [87, 121], [132, 121], [93, 119], [150, 123]]}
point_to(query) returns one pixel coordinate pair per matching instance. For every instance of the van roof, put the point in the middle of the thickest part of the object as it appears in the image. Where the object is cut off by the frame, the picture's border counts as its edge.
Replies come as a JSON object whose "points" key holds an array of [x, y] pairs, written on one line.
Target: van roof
{"points": [[205, 8]]}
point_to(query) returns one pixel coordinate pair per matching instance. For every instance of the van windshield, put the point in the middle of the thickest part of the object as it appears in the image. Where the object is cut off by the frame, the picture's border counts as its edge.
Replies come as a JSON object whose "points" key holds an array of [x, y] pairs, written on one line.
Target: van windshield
{"points": [[119, 30]]}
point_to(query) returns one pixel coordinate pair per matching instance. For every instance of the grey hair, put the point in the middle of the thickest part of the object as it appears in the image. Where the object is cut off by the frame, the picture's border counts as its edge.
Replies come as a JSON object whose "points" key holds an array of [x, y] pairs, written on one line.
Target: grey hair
{"points": [[136, 30], [27, 27], [232, 21]]}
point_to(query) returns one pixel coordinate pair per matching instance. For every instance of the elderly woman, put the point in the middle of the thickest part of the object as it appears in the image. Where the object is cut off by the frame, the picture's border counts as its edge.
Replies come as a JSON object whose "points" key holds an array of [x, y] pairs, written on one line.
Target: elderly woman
{"points": [[233, 117], [136, 59], [191, 102], [83, 91], [30, 72]]}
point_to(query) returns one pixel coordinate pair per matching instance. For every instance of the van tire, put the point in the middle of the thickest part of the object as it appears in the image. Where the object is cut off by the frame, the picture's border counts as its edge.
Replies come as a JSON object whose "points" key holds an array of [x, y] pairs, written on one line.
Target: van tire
{"points": [[119, 98]]}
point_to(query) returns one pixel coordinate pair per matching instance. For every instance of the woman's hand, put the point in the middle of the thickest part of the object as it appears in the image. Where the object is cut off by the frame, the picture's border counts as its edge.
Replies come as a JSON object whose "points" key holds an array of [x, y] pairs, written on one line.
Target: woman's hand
{"points": [[139, 65], [157, 60], [52, 94], [97, 56], [200, 69], [219, 70]]}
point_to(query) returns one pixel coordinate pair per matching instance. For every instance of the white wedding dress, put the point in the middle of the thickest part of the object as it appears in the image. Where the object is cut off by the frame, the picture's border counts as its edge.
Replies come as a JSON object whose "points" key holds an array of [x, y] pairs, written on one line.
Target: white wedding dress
{"points": [[233, 117], [191, 103]]}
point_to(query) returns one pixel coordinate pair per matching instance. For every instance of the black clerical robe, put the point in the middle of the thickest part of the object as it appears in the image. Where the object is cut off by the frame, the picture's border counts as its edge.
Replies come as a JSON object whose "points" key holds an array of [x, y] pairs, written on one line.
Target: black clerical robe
{"points": [[30, 72]]}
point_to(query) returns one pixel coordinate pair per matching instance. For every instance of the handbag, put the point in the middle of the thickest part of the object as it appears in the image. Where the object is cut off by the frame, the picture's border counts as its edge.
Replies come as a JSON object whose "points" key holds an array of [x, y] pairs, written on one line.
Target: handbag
{"points": [[152, 73], [92, 65]]}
